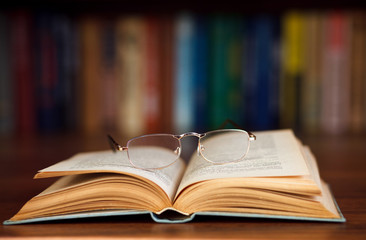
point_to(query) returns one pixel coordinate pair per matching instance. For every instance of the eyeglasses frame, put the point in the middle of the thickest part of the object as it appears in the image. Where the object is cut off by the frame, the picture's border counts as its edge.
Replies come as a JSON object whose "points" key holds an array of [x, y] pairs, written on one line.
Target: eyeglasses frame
{"points": [[117, 147]]}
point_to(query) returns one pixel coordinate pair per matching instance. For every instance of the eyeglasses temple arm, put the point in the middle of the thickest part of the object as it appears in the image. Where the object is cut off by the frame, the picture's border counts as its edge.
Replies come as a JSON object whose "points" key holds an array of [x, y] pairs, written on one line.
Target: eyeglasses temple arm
{"points": [[114, 145], [252, 137], [229, 121]]}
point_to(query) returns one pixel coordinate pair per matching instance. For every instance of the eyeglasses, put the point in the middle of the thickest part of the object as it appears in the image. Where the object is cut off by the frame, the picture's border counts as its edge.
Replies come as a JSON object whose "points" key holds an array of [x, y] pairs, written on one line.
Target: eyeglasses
{"points": [[157, 151]]}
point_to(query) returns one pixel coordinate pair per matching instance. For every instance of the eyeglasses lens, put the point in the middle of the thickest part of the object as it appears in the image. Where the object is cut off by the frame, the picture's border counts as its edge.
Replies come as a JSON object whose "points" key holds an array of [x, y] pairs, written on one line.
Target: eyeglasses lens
{"points": [[224, 146], [153, 151]]}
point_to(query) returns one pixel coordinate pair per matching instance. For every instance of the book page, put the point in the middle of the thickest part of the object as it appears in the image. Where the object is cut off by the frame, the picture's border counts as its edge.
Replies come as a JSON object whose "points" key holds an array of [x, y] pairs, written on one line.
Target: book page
{"points": [[326, 199], [274, 154], [313, 166], [107, 161]]}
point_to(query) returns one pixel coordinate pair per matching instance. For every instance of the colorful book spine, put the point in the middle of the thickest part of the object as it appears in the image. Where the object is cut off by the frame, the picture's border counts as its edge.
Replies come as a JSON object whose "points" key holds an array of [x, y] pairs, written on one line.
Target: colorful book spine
{"points": [[152, 80], [183, 85], [217, 73], [234, 45], [358, 73], [248, 73], [200, 74], [335, 101], [167, 63], [176, 73], [224, 69], [275, 72], [130, 75], [311, 86], [90, 74], [292, 69], [259, 79]]}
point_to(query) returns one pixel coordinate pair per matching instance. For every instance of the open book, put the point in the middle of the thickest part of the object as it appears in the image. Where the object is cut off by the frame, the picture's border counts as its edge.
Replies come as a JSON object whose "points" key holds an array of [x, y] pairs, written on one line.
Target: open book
{"points": [[278, 178]]}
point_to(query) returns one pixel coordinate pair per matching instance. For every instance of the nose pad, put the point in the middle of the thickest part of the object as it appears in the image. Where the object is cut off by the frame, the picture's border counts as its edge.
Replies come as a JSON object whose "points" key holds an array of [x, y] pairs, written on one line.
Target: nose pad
{"points": [[200, 147], [177, 151]]}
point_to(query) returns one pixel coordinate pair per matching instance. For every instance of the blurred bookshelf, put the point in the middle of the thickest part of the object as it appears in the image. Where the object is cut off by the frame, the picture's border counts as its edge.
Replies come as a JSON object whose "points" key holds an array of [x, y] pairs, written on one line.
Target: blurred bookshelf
{"points": [[136, 67]]}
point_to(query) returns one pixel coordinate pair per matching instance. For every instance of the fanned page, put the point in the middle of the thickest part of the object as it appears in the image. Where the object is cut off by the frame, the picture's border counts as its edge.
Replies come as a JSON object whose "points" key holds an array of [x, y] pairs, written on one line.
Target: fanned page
{"points": [[327, 199], [274, 154], [107, 161]]}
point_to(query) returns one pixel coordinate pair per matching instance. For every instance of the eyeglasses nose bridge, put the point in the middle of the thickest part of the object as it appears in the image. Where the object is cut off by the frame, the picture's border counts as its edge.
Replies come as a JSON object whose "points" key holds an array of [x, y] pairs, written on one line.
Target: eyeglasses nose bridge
{"points": [[189, 134]]}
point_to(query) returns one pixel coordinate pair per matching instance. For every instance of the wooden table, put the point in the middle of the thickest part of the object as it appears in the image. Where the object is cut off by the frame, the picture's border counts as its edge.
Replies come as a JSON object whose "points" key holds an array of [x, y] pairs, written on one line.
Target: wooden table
{"points": [[342, 163]]}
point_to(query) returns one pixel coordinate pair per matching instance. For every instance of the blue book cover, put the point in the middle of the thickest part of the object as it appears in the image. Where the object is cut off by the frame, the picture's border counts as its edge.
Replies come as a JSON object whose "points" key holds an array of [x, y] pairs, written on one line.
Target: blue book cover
{"points": [[260, 82], [48, 84], [65, 36], [275, 71], [249, 84], [200, 73], [183, 111], [263, 65]]}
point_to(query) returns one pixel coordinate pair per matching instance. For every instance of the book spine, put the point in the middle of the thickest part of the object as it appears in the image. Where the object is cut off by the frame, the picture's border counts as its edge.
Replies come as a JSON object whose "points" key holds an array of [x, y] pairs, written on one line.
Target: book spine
{"points": [[259, 85], [310, 88], [248, 77], [90, 71], [183, 88], [275, 70], [6, 84], [48, 82], [225, 62], [263, 67], [335, 76], [68, 65], [22, 68], [130, 75], [167, 68], [152, 77], [200, 74], [233, 45], [218, 81], [292, 75], [358, 73], [109, 80]]}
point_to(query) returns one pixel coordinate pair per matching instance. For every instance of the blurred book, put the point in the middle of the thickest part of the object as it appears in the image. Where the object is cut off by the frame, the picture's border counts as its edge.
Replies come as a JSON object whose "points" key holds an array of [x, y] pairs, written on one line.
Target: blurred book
{"points": [[22, 71], [182, 72], [225, 61], [260, 72], [335, 100], [6, 84], [90, 74], [358, 72], [48, 74], [130, 49], [292, 69], [167, 63], [200, 73], [183, 109], [311, 84], [152, 80], [108, 75]]}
